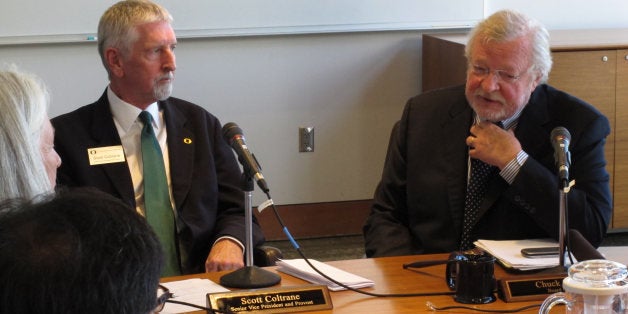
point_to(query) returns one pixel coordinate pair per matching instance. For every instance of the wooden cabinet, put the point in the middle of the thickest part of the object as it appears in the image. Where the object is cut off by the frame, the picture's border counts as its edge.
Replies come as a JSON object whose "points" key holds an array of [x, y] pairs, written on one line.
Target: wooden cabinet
{"points": [[594, 83], [589, 64], [620, 190]]}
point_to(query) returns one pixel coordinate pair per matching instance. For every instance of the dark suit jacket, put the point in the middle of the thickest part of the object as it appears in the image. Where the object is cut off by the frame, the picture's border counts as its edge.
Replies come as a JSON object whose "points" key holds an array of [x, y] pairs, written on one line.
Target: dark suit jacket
{"points": [[418, 205], [206, 179]]}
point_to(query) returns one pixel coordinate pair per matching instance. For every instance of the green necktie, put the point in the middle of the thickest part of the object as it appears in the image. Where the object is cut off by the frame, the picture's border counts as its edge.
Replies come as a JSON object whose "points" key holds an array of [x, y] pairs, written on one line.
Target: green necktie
{"points": [[157, 197]]}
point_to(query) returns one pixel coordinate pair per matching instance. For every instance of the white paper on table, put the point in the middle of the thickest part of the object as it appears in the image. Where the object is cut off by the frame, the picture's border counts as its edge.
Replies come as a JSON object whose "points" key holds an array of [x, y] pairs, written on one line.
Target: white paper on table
{"points": [[191, 291], [508, 252], [299, 268]]}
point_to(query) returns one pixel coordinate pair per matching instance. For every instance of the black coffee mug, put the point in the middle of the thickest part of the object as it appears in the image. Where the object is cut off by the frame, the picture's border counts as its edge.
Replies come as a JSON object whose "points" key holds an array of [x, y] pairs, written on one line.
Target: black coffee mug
{"points": [[472, 276]]}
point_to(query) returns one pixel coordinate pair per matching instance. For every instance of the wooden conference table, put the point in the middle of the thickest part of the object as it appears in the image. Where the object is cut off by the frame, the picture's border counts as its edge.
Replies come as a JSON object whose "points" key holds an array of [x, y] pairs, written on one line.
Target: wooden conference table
{"points": [[390, 277]]}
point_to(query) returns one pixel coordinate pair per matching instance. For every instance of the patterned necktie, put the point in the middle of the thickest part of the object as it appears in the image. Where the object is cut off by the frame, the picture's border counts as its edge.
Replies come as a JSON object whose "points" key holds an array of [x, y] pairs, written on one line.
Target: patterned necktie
{"points": [[157, 196], [481, 172]]}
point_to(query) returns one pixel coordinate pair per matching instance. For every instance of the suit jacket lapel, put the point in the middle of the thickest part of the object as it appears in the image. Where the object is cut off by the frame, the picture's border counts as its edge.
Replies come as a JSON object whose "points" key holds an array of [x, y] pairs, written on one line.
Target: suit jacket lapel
{"points": [[458, 125], [181, 146], [104, 133], [531, 130]]}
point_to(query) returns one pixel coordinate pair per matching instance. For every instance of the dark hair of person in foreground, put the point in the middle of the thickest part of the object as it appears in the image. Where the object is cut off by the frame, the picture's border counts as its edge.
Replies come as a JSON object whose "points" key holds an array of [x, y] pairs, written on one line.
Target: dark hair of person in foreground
{"points": [[80, 251]]}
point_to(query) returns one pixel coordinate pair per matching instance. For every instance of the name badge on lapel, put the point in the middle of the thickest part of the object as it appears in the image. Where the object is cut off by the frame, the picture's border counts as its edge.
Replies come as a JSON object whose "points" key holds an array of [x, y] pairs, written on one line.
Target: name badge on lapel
{"points": [[105, 155]]}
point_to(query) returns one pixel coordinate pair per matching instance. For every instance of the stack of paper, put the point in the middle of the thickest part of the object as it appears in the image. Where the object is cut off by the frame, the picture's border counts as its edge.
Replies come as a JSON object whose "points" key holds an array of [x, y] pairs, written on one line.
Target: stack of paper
{"points": [[191, 291], [508, 253], [299, 268]]}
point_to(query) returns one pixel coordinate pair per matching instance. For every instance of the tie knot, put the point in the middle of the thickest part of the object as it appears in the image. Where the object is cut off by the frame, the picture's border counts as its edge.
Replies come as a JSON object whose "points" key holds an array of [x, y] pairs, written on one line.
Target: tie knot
{"points": [[146, 117]]}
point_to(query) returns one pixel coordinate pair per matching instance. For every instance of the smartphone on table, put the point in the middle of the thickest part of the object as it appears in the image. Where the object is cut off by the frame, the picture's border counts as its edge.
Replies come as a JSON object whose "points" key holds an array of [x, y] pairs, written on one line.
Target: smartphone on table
{"points": [[540, 252]]}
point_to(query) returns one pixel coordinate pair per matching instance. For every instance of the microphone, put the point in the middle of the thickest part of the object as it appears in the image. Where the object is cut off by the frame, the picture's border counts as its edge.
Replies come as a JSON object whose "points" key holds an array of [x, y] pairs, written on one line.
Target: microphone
{"points": [[581, 249], [560, 138], [235, 137]]}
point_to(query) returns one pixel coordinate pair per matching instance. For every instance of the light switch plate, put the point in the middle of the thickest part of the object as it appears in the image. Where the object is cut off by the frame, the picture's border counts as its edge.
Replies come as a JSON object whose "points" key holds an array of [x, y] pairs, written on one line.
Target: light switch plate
{"points": [[306, 139]]}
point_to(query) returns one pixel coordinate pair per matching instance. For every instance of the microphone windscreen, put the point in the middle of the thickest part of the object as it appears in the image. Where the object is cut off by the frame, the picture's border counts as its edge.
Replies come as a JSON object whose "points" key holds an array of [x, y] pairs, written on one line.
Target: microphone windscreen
{"points": [[560, 131], [581, 249], [230, 130]]}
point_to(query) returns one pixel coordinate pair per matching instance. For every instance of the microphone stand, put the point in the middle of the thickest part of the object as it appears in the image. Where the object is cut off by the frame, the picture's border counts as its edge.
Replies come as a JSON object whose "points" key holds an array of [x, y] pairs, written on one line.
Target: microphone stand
{"points": [[562, 223], [250, 276]]}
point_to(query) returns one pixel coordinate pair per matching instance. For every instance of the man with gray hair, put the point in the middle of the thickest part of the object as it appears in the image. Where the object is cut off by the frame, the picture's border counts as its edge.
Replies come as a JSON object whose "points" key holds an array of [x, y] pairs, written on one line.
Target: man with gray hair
{"points": [[475, 161], [162, 155]]}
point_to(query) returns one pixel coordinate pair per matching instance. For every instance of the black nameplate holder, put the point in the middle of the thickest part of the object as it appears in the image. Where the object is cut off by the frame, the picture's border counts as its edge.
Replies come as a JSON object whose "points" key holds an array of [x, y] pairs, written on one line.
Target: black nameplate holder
{"points": [[272, 300], [530, 287]]}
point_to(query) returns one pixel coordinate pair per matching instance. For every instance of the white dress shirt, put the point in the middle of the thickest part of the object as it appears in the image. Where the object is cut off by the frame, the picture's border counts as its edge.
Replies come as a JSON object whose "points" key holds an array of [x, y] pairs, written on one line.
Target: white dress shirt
{"points": [[129, 126]]}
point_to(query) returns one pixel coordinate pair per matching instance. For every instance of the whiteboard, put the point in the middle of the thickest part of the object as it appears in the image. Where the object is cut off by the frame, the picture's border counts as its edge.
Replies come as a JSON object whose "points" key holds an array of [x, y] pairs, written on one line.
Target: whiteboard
{"points": [[41, 21], [575, 14]]}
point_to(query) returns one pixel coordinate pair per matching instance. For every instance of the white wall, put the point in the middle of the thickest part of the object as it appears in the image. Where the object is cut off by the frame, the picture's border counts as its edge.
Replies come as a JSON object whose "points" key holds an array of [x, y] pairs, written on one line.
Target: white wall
{"points": [[350, 86]]}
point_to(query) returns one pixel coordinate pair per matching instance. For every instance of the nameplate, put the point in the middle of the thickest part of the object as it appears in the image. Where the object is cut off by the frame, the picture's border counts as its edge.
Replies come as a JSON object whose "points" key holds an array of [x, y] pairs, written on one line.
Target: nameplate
{"points": [[530, 287], [272, 300], [105, 155]]}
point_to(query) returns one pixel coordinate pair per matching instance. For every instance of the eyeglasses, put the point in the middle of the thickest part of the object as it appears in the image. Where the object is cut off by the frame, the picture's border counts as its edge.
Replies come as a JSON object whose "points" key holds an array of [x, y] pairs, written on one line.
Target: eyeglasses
{"points": [[163, 294], [504, 76]]}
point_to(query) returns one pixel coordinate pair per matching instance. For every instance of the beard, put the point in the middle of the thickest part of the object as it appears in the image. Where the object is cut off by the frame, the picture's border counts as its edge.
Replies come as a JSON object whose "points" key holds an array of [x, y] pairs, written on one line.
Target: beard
{"points": [[163, 86], [493, 115]]}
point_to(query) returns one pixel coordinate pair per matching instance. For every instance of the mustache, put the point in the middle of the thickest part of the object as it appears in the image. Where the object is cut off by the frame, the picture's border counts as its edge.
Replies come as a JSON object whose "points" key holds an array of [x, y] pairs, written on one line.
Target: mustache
{"points": [[167, 76], [492, 96]]}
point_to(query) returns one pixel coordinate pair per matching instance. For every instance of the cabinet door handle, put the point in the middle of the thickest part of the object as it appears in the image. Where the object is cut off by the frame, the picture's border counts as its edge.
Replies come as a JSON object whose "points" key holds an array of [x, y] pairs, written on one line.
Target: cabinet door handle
{"points": [[605, 58]]}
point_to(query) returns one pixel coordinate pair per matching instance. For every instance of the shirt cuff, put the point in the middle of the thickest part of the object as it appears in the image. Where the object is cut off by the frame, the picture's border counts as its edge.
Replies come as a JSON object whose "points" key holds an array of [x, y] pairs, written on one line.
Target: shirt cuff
{"points": [[512, 168], [231, 238]]}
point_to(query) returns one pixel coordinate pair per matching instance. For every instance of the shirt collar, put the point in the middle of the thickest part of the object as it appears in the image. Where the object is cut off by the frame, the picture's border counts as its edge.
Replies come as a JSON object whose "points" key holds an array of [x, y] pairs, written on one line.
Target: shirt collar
{"points": [[126, 114], [512, 121]]}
